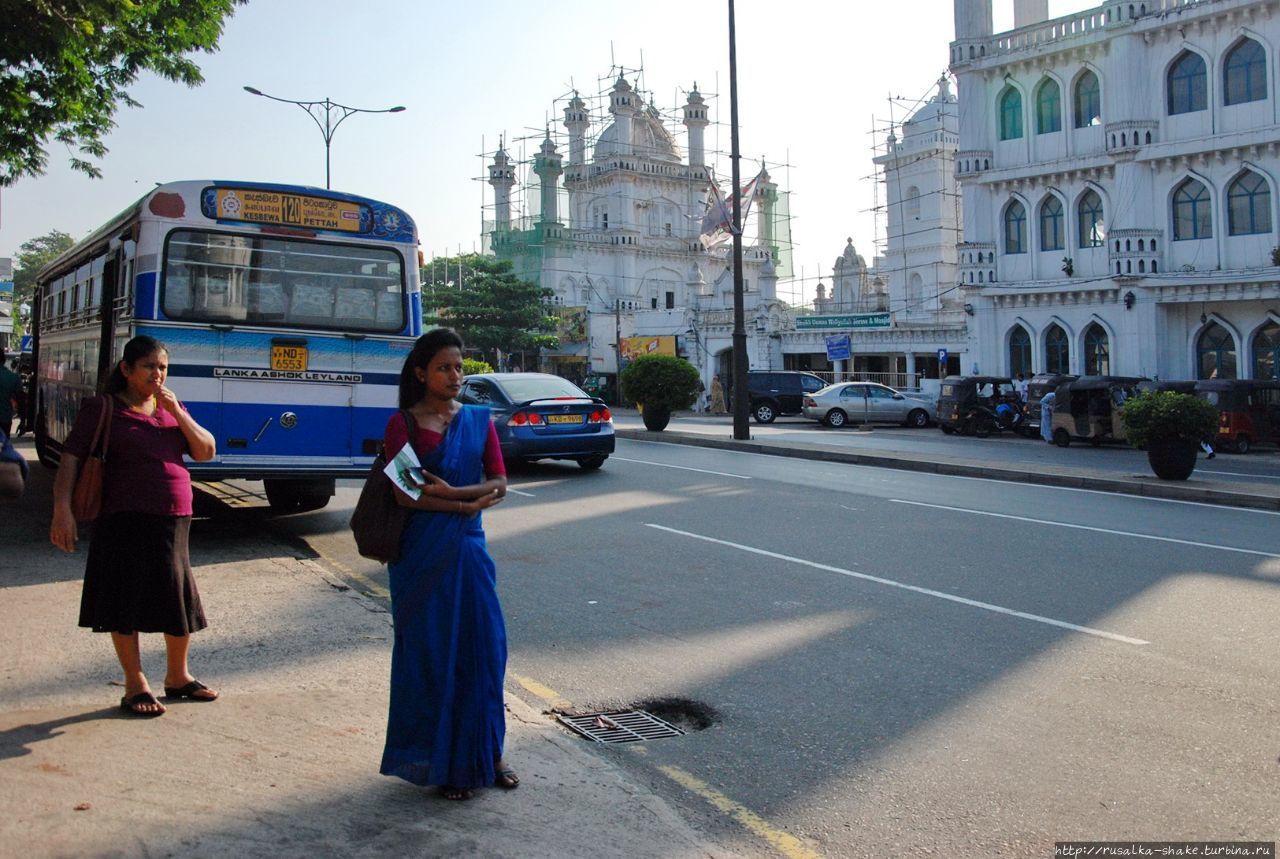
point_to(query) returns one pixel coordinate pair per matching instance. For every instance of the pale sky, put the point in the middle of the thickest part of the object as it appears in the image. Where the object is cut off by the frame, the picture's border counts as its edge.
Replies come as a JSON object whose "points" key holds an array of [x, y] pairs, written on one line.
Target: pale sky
{"points": [[812, 76]]}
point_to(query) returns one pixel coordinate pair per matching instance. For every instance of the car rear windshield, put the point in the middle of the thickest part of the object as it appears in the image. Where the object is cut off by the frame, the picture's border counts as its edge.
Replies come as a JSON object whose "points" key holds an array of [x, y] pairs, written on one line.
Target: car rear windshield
{"points": [[540, 387]]}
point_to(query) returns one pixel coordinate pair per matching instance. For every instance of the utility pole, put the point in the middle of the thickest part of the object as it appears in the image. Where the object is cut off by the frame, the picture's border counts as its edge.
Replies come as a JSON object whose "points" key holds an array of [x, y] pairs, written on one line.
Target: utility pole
{"points": [[741, 394]]}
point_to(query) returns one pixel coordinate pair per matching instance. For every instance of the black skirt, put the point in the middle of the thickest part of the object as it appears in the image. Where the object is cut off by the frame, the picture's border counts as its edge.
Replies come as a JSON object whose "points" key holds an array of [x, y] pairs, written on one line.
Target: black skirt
{"points": [[138, 577]]}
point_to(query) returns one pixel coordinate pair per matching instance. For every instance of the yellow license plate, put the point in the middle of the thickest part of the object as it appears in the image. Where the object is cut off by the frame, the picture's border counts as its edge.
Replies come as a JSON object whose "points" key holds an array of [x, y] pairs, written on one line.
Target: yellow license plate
{"points": [[564, 419], [288, 357]]}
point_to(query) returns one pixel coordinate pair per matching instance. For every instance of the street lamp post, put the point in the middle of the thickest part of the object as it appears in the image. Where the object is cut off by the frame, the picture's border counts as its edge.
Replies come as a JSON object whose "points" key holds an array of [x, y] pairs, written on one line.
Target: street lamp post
{"points": [[322, 113]]}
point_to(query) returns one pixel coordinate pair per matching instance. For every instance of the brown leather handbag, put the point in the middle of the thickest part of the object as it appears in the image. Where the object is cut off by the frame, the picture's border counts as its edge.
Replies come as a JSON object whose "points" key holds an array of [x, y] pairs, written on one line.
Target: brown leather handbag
{"points": [[86, 498], [378, 520]]}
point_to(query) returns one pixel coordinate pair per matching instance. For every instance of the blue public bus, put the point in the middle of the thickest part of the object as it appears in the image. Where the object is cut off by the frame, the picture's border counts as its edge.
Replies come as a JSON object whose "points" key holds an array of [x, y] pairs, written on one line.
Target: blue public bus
{"points": [[288, 312]]}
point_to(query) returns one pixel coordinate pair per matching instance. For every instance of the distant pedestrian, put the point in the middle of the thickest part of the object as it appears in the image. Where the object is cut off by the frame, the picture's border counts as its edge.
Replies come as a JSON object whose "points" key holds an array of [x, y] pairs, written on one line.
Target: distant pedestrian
{"points": [[138, 575], [446, 724], [1208, 449], [12, 393], [1046, 415], [717, 396], [1021, 385], [700, 404]]}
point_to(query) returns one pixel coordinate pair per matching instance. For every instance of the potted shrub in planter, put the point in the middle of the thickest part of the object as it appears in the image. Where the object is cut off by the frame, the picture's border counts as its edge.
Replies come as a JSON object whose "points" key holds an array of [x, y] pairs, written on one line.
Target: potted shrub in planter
{"points": [[659, 385], [1170, 426]]}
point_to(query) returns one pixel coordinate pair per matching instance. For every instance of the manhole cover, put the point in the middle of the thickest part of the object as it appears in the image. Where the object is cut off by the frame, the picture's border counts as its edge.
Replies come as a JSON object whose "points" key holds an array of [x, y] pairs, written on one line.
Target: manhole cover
{"points": [[634, 726]]}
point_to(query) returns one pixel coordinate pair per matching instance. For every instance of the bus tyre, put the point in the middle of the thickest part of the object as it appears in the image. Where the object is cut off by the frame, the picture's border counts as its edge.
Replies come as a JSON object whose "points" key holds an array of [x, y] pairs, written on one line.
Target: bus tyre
{"points": [[1242, 443], [1061, 437], [42, 445], [298, 496]]}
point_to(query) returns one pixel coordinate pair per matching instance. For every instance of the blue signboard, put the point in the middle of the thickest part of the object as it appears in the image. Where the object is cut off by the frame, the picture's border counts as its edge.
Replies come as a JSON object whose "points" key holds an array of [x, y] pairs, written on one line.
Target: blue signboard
{"points": [[942, 356], [838, 347], [26, 343], [6, 286]]}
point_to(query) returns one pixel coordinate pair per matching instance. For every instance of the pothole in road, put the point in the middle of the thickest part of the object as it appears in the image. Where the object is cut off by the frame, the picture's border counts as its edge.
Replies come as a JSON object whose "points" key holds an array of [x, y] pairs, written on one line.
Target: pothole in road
{"points": [[651, 719]]}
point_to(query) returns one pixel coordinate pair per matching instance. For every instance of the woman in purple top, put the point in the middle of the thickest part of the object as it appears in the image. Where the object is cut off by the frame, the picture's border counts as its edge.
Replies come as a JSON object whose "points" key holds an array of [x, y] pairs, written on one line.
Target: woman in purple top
{"points": [[138, 577]]}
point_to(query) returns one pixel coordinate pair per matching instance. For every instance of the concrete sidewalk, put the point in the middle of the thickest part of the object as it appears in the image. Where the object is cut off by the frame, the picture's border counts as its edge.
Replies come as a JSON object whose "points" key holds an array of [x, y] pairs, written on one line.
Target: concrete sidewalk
{"points": [[717, 432], [285, 764]]}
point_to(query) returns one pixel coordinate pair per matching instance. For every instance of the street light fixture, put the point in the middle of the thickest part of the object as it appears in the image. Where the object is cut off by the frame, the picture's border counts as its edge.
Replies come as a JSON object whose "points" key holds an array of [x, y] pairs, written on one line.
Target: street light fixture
{"points": [[325, 110]]}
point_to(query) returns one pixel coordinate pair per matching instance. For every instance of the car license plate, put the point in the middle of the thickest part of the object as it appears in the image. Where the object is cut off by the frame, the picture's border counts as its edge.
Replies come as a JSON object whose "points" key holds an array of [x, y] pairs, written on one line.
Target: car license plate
{"points": [[564, 419], [288, 357]]}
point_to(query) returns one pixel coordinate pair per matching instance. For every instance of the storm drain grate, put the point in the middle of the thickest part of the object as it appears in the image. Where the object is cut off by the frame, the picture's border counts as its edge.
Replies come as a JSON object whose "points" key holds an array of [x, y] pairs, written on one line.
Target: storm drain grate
{"points": [[632, 727]]}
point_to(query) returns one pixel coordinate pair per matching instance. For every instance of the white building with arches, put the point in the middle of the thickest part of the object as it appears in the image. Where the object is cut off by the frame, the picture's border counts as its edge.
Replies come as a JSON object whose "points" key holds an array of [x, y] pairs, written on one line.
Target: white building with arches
{"points": [[1119, 172], [624, 253]]}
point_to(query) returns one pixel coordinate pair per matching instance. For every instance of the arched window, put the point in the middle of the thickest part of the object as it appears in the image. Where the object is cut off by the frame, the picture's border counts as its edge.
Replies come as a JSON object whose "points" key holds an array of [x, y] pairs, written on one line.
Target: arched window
{"points": [[1097, 351], [1051, 224], [1215, 353], [1192, 214], [1188, 84], [1266, 352], [1245, 73], [912, 202], [915, 292], [1019, 352], [1248, 205], [1057, 350], [1048, 108], [1010, 114], [1015, 229], [1088, 101], [1089, 223]]}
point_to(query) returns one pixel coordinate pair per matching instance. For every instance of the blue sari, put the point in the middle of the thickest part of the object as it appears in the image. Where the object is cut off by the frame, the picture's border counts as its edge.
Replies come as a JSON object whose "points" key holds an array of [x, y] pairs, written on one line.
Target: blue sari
{"points": [[446, 723]]}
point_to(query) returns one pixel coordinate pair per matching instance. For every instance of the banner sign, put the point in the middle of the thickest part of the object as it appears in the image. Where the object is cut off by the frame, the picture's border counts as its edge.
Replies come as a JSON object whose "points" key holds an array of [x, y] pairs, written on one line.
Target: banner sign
{"points": [[638, 347], [6, 286], [855, 321], [288, 210], [838, 347]]}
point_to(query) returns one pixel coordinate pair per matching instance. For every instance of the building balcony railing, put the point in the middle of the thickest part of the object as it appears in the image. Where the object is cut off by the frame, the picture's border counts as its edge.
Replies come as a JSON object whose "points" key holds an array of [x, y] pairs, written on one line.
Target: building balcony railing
{"points": [[1135, 252], [1131, 134], [972, 162]]}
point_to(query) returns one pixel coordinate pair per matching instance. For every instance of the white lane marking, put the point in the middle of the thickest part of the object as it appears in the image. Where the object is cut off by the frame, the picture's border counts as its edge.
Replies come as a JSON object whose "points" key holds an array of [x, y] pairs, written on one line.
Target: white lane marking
{"points": [[518, 492], [1123, 639], [1239, 474], [1089, 528], [681, 467], [1046, 486]]}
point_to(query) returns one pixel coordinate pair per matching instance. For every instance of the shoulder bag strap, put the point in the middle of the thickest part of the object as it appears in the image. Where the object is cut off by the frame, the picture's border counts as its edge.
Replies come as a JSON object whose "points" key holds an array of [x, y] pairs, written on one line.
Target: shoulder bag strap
{"points": [[108, 412], [104, 422]]}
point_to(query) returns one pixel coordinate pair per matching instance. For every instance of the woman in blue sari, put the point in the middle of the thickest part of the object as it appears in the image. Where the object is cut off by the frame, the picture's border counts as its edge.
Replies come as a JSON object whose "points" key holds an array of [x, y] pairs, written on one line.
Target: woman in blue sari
{"points": [[446, 724]]}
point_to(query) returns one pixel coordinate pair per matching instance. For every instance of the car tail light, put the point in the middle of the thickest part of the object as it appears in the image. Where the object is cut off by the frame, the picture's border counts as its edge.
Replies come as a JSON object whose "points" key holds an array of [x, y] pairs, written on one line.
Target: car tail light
{"points": [[600, 416], [810, 403], [520, 419]]}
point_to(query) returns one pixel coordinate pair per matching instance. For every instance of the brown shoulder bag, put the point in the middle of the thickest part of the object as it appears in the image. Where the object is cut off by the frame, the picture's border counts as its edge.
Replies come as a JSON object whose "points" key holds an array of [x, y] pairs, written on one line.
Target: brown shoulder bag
{"points": [[86, 498], [378, 520]]}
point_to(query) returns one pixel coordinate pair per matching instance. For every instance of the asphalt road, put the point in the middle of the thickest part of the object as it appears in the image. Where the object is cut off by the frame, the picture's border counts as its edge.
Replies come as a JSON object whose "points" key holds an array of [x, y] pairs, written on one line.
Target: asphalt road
{"points": [[897, 663], [1260, 464]]}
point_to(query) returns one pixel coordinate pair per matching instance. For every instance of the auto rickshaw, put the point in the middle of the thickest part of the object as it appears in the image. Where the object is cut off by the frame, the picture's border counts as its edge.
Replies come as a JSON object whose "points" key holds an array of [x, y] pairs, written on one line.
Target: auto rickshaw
{"points": [[1089, 408], [962, 397], [1041, 384], [1248, 409]]}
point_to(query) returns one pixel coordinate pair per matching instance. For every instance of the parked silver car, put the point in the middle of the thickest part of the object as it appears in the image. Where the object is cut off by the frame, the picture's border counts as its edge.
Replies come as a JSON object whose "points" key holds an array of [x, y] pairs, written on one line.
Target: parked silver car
{"points": [[856, 402]]}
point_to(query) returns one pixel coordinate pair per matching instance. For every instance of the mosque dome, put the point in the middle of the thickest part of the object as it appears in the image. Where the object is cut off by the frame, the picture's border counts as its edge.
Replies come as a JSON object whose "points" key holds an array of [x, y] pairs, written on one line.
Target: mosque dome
{"points": [[649, 138]]}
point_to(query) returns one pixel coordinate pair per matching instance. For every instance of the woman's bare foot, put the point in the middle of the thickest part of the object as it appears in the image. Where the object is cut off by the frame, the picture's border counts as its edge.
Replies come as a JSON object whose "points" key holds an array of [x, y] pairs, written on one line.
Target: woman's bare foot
{"points": [[455, 793]]}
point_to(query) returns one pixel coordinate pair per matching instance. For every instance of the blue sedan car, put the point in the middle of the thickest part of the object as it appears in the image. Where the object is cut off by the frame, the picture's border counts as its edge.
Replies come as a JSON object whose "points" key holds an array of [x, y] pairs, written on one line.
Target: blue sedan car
{"points": [[541, 416]]}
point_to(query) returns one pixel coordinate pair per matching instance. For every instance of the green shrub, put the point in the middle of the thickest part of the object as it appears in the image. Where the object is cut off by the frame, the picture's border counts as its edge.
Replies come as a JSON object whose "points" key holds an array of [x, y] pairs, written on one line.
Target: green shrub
{"points": [[470, 366], [1160, 416], [661, 382]]}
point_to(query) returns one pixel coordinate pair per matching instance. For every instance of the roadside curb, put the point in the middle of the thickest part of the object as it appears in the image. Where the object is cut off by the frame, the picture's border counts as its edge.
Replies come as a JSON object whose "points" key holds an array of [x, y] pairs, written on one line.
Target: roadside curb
{"points": [[1148, 487]]}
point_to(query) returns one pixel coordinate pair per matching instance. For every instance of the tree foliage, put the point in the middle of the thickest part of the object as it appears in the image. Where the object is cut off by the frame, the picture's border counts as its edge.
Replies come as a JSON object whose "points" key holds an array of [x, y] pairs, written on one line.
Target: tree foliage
{"points": [[662, 382], [65, 64], [487, 303], [33, 255]]}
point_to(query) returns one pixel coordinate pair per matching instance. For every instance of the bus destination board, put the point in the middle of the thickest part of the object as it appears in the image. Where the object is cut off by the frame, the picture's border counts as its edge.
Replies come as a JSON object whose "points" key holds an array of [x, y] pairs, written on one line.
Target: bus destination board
{"points": [[288, 210]]}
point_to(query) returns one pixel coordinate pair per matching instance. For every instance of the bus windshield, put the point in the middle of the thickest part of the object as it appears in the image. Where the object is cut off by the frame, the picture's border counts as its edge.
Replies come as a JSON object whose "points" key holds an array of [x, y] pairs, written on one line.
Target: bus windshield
{"points": [[282, 282]]}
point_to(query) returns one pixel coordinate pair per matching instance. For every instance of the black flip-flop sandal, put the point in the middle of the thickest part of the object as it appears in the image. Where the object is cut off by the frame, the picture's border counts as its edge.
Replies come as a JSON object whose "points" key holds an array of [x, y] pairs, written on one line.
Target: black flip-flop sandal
{"points": [[506, 779], [189, 691], [129, 705]]}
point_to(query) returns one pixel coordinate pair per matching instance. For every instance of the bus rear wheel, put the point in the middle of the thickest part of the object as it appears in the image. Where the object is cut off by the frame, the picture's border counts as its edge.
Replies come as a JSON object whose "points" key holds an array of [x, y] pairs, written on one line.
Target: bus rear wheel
{"points": [[298, 496]]}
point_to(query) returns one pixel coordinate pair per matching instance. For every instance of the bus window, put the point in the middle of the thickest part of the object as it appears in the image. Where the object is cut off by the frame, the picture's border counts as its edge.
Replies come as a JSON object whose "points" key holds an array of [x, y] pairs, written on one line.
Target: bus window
{"points": [[282, 281]]}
